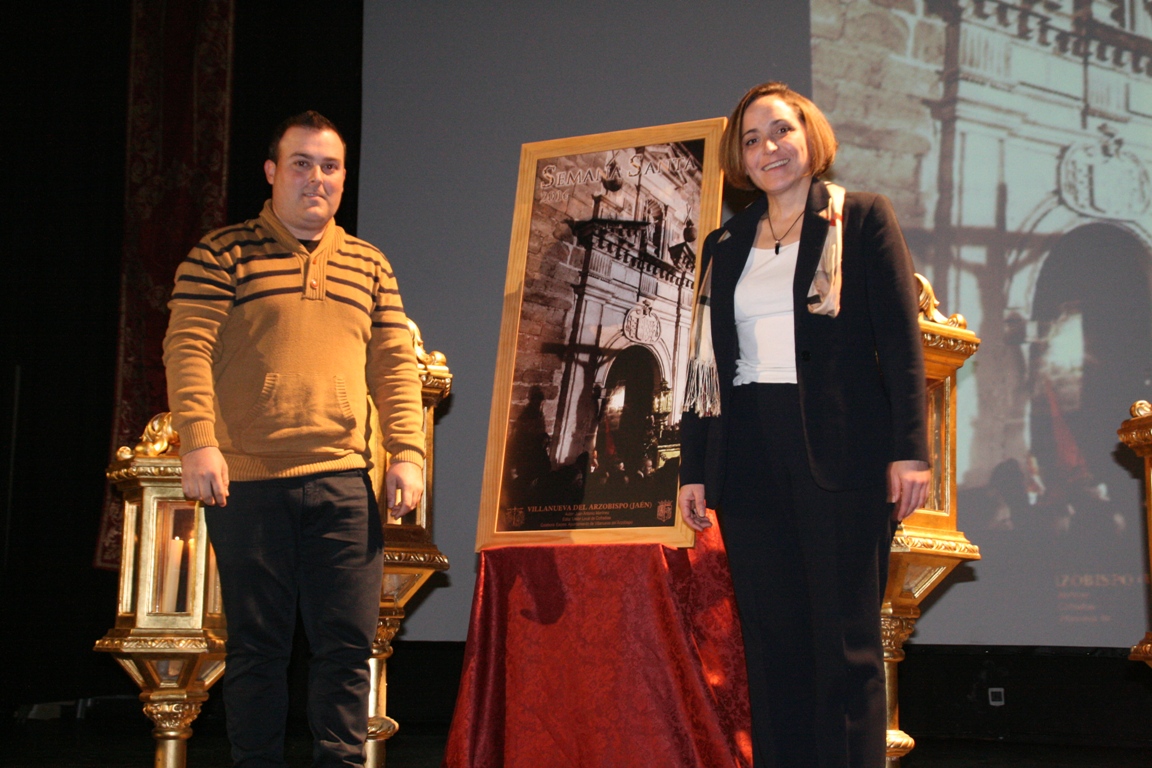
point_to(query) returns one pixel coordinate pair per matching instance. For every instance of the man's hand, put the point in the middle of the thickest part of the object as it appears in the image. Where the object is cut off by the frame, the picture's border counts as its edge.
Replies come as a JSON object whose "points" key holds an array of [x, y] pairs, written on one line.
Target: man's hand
{"points": [[693, 508], [205, 476], [403, 487], [908, 486]]}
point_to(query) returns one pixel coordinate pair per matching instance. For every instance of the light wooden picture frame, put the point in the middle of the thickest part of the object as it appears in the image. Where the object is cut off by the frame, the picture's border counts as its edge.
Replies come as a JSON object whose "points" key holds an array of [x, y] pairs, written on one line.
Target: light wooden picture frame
{"points": [[583, 437]]}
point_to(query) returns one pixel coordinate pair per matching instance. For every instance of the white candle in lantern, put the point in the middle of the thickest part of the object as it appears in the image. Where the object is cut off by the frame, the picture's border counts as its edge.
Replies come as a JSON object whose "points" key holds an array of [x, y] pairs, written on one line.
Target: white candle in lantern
{"points": [[171, 580]]}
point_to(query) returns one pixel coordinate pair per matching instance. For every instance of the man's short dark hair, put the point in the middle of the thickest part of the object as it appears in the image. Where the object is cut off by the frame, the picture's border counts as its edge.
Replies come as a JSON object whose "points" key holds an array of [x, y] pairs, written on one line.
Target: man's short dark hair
{"points": [[311, 120]]}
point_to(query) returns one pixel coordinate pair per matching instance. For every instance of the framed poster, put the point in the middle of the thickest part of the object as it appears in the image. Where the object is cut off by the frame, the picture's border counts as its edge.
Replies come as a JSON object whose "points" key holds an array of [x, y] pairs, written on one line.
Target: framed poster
{"points": [[583, 437]]}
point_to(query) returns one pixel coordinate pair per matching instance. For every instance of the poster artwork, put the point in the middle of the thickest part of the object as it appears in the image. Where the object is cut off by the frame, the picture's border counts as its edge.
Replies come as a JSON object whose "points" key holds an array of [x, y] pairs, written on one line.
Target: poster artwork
{"points": [[591, 437]]}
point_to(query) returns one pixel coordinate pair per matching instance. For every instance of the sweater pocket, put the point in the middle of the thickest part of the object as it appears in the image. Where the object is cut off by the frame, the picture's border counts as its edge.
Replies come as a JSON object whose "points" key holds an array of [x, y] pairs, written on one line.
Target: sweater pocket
{"points": [[298, 415]]}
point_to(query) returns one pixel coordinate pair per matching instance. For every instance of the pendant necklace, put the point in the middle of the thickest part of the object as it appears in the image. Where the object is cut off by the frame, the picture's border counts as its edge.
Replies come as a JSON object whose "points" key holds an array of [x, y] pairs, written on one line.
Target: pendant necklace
{"points": [[773, 231]]}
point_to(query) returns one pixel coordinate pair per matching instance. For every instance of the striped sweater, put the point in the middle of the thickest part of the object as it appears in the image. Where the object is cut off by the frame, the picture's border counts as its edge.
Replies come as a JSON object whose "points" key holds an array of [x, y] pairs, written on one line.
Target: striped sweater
{"points": [[272, 352]]}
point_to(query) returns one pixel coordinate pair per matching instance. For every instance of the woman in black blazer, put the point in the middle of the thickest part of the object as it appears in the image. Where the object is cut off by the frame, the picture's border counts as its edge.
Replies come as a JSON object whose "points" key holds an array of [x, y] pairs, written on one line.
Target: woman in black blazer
{"points": [[804, 427]]}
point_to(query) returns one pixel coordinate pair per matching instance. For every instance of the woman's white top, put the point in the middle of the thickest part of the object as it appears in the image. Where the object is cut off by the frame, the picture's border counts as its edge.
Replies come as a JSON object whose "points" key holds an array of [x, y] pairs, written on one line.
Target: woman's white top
{"points": [[764, 324]]}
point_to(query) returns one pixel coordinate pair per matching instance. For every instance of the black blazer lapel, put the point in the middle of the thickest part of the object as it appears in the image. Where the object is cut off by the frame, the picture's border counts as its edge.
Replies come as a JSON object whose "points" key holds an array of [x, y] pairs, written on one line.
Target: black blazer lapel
{"points": [[732, 251], [728, 260]]}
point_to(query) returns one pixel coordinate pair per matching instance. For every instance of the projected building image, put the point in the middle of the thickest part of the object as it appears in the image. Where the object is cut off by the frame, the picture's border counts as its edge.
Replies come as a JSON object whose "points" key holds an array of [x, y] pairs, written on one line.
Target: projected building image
{"points": [[1015, 141]]}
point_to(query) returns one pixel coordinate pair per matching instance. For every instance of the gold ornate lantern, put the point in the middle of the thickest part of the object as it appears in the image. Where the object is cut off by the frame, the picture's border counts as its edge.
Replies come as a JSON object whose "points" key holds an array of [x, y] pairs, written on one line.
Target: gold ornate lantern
{"points": [[169, 633], [410, 557], [1136, 433], [927, 545]]}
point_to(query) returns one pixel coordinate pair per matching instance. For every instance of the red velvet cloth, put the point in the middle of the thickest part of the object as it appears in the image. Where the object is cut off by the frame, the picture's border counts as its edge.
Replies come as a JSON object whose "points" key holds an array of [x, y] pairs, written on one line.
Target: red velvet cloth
{"points": [[612, 655]]}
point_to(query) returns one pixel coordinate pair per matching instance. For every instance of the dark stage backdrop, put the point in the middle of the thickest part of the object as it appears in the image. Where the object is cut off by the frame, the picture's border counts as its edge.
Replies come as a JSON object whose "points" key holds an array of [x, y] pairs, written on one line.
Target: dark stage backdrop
{"points": [[69, 83], [65, 98], [179, 98]]}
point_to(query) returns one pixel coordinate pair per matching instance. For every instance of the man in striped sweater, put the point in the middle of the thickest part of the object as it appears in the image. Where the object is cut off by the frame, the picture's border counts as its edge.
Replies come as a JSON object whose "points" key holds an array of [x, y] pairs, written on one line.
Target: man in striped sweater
{"points": [[281, 329]]}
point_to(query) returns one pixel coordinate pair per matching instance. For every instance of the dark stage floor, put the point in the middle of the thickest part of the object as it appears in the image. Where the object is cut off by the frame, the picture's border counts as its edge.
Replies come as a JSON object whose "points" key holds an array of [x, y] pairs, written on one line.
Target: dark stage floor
{"points": [[113, 736], [116, 734]]}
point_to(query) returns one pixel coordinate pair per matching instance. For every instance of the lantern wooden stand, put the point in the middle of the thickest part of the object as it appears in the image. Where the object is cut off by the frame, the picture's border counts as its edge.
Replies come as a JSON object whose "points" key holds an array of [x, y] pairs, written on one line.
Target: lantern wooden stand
{"points": [[1136, 433], [410, 557], [927, 545], [169, 633]]}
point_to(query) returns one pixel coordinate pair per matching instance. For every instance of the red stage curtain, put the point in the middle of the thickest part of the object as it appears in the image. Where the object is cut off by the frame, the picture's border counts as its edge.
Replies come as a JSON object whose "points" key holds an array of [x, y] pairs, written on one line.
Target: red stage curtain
{"points": [[179, 103], [613, 655]]}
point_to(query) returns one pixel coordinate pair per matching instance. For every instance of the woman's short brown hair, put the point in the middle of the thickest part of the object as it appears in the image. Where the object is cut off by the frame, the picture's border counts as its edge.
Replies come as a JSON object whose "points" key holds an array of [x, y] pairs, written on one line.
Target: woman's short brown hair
{"points": [[821, 138]]}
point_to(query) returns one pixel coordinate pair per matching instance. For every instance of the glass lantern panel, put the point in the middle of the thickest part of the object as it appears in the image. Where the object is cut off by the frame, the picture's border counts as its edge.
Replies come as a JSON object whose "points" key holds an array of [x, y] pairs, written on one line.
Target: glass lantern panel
{"points": [[938, 418], [175, 556], [129, 666], [397, 585], [210, 671], [128, 565], [168, 670]]}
